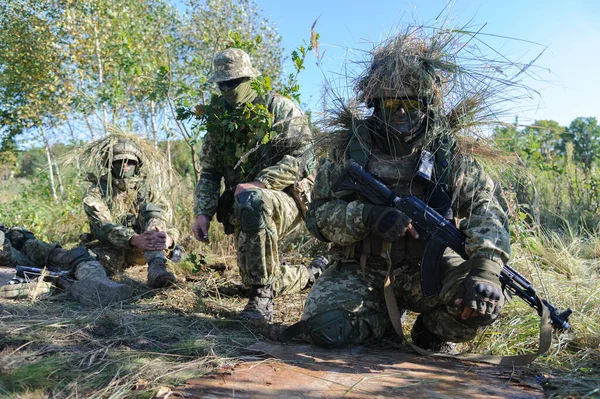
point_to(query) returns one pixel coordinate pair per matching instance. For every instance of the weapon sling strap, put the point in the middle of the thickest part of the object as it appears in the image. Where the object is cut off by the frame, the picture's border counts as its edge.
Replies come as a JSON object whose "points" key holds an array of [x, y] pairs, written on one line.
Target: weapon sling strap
{"points": [[515, 360]]}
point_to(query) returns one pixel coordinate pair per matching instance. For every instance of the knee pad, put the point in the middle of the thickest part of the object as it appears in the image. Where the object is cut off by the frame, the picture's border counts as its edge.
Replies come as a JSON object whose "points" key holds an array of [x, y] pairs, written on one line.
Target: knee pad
{"points": [[248, 209], [333, 329]]}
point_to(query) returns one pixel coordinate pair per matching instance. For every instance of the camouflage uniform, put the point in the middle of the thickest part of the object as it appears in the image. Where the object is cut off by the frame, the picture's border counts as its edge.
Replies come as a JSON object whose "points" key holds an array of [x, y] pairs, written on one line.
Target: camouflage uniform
{"points": [[131, 208], [347, 303], [278, 166], [123, 206], [340, 219], [91, 285]]}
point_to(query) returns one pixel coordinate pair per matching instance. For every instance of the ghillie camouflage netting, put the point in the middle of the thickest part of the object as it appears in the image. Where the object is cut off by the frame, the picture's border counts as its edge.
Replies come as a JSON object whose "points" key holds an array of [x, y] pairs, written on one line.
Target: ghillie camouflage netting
{"points": [[96, 159], [469, 87]]}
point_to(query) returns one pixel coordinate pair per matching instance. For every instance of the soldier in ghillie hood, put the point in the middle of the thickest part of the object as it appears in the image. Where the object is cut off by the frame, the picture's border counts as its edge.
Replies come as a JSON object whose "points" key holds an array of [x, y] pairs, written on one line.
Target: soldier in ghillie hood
{"points": [[259, 145], [129, 215], [409, 141]]}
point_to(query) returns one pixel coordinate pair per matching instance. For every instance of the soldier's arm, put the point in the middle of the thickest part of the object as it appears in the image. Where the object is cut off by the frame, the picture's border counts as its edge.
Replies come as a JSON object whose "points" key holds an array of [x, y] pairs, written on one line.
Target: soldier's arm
{"points": [[157, 210], [206, 194], [481, 210], [101, 221], [339, 220], [294, 140]]}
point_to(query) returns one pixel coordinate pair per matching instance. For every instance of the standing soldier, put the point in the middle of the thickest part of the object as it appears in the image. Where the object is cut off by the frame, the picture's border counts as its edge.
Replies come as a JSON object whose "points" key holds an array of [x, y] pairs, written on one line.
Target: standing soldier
{"points": [[409, 143], [130, 219], [266, 190]]}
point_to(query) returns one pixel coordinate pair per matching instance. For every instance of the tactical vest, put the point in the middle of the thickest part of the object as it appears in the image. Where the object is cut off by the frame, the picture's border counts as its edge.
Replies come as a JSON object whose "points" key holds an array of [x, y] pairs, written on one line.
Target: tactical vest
{"points": [[399, 174]]}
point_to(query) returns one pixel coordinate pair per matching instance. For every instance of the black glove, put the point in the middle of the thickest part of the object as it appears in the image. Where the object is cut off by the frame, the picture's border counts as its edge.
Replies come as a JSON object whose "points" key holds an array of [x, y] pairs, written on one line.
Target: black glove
{"points": [[481, 289], [387, 222]]}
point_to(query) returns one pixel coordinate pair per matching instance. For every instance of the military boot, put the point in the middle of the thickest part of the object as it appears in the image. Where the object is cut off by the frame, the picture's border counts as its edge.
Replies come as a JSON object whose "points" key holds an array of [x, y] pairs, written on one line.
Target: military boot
{"points": [[423, 338], [316, 268], [92, 286], [158, 276], [260, 304]]}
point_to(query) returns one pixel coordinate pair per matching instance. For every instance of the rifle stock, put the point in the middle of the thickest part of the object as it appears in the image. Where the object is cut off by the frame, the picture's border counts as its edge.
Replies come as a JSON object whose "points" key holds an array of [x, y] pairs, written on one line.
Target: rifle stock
{"points": [[441, 234]]}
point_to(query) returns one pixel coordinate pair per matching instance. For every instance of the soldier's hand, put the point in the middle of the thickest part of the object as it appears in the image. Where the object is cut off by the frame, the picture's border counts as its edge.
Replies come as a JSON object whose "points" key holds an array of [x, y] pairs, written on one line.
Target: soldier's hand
{"points": [[389, 223], [200, 228], [481, 292], [151, 240], [244, 186]]}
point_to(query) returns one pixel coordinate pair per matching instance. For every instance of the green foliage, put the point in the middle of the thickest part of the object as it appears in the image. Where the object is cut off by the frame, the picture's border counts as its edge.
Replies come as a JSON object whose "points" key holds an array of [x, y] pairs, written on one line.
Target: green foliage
{"points": [[557, 182]]}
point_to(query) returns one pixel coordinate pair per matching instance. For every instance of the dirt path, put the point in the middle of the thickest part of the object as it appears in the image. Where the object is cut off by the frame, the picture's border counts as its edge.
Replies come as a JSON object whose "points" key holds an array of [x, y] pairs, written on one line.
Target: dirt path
{"points": [[303, 371]]}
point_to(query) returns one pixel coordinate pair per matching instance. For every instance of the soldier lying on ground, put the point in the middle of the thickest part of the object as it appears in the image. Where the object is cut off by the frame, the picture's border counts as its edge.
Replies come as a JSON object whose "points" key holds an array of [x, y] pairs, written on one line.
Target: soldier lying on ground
{"points": [[91, 286]]}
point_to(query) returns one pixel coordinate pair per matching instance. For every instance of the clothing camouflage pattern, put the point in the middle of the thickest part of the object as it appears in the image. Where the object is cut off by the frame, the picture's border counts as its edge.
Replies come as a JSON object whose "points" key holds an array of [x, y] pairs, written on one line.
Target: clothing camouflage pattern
{"points": [[231, 64], [91, 286], [340, 218], [117, 212], [279, 165]]}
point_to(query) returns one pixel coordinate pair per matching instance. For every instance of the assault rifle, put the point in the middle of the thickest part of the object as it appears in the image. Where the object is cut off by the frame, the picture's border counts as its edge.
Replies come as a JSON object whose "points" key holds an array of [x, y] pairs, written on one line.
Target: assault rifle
{"points": [[441, 233], [31, 273]]}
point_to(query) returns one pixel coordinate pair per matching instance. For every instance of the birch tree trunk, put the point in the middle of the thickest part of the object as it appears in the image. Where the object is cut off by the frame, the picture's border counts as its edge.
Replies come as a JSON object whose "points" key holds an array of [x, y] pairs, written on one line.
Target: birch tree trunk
{"points": [[168, 134], [100, 77], [153, 124], [50, 168]]}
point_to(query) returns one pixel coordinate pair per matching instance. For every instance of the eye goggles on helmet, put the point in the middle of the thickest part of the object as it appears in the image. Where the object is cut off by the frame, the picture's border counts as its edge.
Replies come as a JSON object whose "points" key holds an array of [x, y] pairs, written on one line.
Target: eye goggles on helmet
{"points": [[228, 85], [408, 105]]}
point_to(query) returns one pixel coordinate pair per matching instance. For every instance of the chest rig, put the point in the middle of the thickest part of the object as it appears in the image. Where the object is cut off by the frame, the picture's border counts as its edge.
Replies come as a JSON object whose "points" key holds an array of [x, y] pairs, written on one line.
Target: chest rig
{"points": [[408, 171]]}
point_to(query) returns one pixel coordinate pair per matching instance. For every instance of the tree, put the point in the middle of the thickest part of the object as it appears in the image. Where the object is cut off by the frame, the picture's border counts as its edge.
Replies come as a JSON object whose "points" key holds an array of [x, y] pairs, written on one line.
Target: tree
{"points": [[584, 133]]}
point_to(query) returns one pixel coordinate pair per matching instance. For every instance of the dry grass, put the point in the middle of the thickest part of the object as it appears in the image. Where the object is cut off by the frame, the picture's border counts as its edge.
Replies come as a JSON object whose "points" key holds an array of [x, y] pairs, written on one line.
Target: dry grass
{"points": [[57, 348]]}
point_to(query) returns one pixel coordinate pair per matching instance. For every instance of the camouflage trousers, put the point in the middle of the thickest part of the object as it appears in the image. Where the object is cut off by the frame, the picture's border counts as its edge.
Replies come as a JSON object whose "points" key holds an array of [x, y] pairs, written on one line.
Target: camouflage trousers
{"points": [[344, 286], [32, 253], [116, 259], [258, 252]]}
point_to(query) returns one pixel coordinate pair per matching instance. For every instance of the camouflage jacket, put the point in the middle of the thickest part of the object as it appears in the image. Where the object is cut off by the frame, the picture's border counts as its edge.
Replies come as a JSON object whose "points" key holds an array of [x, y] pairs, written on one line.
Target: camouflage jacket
{"points": [[278, 164], [118, 214], [474, 200]]}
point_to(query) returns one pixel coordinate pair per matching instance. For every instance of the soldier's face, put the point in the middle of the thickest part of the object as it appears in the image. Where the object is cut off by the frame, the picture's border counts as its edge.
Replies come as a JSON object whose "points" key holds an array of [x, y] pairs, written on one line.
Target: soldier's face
{"points": [[124, 168], [402, 117]]}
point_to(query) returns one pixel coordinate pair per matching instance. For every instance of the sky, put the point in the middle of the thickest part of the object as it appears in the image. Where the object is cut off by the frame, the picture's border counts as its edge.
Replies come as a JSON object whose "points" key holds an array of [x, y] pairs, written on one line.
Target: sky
{"points": [[566, 33]]}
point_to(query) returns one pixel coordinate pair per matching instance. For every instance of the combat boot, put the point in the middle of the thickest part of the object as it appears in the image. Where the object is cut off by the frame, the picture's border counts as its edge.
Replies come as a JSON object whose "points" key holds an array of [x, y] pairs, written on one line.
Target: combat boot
{"points": [[425, 339], [260, 304], [92, 286], [316, 268], [158, 276]]}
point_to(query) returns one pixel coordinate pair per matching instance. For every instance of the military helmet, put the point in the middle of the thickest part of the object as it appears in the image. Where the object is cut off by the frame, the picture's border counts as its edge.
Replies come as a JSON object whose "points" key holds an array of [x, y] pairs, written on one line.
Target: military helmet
{"points": [[126, 149], [230, 64], [401, 68]]}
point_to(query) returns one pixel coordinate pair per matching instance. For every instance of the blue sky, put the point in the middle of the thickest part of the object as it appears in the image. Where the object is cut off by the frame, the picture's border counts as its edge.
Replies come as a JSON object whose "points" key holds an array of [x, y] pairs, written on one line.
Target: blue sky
{"points": [[570, 29]]}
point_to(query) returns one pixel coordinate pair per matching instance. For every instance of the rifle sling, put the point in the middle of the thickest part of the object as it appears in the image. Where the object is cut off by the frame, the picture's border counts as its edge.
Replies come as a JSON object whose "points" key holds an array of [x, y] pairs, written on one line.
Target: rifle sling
{"points": [[514, 360]]}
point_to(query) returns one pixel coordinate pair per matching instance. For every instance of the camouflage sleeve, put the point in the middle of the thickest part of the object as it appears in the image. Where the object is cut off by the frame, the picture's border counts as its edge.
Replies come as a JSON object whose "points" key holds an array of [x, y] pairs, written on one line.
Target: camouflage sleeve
{"points": [[336, 219], [101, 221], [158, 207], [206, 195], [294, 140], [482, 216]]}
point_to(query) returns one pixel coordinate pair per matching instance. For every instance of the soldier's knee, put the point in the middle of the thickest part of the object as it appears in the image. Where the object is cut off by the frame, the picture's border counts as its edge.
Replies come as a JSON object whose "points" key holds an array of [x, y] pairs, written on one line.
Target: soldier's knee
{"points": [[248, 209], [333, 329]]}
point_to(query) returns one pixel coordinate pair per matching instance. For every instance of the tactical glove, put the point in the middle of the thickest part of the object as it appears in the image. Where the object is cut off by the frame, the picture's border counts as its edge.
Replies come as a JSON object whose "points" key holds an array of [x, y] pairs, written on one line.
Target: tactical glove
{"points": [[386, 222], [481, 289]]}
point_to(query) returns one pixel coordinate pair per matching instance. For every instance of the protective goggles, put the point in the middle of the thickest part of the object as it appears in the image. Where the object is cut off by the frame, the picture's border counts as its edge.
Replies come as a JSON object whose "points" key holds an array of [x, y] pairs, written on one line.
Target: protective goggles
{"points": [[228, 85], [408, 105]]}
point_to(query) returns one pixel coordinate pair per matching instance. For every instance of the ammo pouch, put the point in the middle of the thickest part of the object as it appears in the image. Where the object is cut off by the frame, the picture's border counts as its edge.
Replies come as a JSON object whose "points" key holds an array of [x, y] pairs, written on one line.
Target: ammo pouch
{"points": [[300, 191], [224, 210]]}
